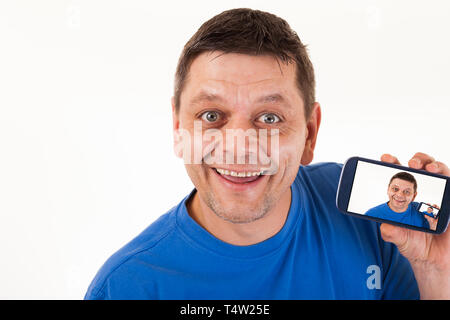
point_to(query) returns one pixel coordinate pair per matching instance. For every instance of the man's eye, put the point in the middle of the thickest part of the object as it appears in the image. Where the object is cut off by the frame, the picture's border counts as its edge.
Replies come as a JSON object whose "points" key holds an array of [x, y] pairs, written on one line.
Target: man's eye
{"points": [[210, 116], [269, 118]]}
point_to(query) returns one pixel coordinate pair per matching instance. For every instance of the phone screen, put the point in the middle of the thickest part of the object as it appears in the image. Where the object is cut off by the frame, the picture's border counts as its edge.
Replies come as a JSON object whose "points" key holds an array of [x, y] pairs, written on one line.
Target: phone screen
{"points": [[429, 210], [396, 195]]}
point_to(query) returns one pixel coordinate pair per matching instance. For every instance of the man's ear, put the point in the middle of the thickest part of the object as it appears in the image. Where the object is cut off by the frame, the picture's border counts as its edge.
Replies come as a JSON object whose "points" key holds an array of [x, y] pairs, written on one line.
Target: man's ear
{"points": [[175, 119], [177, 138], [312, 128]]}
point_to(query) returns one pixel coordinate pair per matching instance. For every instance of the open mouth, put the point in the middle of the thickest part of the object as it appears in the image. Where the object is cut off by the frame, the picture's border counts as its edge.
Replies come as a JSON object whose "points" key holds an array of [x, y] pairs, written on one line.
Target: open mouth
{"points": [[242, 177], [400, 201]]}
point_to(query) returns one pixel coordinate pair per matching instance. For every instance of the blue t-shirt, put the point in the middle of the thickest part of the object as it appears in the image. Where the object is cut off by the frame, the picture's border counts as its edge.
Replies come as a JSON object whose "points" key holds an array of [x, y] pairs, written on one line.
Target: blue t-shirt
{"points": [[411, 216], [319, 253]]}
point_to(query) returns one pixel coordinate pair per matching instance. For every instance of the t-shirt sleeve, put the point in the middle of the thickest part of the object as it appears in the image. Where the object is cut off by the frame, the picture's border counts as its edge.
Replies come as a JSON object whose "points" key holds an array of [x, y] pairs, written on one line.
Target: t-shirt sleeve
{"points": [[91, 295], [122, 285], [96, 289], [372, 212], [399, 281]]}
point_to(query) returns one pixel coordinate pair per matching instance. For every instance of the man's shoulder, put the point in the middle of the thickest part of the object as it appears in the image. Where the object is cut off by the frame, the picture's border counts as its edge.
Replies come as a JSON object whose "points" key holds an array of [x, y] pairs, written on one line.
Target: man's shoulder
{"points": [[320, 176], [381, 208], [323, 167], [327, 170], [152, 236], [415, 205]]}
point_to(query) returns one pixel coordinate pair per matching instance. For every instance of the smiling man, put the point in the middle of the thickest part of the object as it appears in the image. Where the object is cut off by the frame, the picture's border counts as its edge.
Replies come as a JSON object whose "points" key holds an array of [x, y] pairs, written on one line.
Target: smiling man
{"points": [[225, 205], [402, 190], [261, 222]]}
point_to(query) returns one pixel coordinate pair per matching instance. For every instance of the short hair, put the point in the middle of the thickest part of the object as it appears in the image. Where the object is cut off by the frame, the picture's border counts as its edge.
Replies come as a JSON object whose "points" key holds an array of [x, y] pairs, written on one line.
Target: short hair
{"points": [[250, 32], [405, 176]]}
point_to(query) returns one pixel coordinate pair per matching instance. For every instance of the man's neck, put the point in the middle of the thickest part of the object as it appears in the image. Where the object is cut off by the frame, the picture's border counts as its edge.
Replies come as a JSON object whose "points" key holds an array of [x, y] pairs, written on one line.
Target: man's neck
{"points": [[240, 234]]}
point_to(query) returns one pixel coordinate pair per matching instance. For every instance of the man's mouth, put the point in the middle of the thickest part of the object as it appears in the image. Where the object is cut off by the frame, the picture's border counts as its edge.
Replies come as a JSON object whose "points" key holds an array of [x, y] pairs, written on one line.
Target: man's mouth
{"points": [[399, 201], [239, 177]]}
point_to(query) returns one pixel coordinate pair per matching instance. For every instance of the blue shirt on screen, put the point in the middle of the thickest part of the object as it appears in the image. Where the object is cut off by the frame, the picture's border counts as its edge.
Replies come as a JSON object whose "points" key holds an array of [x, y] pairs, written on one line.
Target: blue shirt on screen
{"points": [[430, 214], [319, 253], [411, 216]]}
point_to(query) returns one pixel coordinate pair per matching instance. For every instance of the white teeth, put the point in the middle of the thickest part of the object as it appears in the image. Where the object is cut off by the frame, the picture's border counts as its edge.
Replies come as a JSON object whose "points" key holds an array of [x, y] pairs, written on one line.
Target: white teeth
{"points": [[238, 174]]}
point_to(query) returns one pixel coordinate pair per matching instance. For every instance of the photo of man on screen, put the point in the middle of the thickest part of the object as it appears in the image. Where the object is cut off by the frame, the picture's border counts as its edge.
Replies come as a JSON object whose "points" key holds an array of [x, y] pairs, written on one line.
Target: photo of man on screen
{"points": [[402, 190], [430, 211]]}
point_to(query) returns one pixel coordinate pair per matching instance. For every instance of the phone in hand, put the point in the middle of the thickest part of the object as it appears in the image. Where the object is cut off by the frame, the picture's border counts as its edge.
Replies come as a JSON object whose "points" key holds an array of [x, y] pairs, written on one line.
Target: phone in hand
{"points": [[390, 193], [429, 210]]}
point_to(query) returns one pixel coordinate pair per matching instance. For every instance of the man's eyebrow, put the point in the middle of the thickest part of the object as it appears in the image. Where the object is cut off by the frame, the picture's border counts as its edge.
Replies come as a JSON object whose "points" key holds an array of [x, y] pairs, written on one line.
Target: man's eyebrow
{"points": [[206, 96], [397, 186], [212, 97], [270, 98]]}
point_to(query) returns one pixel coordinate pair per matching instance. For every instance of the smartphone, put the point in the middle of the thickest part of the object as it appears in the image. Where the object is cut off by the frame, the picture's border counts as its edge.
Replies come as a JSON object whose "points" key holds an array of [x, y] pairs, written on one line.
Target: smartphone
{"points": [[394, 194]]}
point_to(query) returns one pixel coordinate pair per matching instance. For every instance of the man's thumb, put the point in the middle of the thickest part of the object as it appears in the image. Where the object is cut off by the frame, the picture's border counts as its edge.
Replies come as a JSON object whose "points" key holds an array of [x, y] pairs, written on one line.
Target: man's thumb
{"points": [[394, 234]]}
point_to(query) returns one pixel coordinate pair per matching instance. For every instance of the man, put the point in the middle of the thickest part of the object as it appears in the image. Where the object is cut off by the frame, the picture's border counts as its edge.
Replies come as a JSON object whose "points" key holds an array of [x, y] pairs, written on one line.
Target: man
{"points": [[430, 211], [402, 190], [247, 232]]}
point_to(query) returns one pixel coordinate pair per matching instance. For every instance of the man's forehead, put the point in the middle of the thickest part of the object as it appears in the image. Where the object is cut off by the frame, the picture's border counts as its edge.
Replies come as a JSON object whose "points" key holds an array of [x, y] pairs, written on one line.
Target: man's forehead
{"points": [[251, 77], [240, 69], [402, 183], [234, 79]]}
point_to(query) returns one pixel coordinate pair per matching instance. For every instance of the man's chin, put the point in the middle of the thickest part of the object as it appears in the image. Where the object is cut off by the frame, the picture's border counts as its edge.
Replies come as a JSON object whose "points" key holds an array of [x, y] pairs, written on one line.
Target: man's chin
{"points": [[242, 213], [239, 219]]}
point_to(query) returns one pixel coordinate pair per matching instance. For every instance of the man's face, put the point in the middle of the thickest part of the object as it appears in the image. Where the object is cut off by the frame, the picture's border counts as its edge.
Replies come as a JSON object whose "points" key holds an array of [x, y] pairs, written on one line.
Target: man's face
{"points": [[401, 193], [236, 91]]}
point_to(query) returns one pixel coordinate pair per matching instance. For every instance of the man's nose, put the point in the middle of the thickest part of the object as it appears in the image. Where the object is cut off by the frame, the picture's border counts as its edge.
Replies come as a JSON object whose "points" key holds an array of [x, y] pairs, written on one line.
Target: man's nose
{"points": [[399, 194], [239, 121], [241, 139]]}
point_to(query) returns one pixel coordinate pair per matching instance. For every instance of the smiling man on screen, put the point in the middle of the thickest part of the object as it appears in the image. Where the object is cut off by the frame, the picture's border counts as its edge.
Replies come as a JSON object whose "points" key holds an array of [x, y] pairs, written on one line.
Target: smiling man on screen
{"points": [[261, 222], [402, 190]]}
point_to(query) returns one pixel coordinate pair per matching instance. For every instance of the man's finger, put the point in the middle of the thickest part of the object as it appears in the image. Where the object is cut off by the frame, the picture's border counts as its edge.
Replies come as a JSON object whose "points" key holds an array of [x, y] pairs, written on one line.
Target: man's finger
{"points": [[420, 160], [438, 167], [389, 158], [400, 237]]}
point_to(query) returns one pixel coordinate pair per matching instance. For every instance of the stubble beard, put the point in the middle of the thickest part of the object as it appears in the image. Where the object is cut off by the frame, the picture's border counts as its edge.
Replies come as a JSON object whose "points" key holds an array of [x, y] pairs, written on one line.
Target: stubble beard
{"points": [[239, 215]]}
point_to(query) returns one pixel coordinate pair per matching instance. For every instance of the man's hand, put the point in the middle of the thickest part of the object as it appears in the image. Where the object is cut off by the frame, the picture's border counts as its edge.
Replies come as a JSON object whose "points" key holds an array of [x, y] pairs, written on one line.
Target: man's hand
{"points": [[429, 254], [432, 221]]}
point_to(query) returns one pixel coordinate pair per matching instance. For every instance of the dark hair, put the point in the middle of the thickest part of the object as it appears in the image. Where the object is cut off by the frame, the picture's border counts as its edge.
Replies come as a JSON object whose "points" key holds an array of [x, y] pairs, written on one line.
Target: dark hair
{"points": [[250, 32], [405, 176]]}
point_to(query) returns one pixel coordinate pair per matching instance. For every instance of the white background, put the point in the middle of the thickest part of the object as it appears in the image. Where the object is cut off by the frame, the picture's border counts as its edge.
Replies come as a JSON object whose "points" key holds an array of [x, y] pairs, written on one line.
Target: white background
{"points": [[371, 184], [86, 160]]}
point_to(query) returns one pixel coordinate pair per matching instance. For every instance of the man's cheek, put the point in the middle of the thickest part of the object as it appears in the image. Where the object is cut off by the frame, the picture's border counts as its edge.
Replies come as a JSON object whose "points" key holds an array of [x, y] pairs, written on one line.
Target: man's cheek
{"points": [[196, 174], [290, 156]]}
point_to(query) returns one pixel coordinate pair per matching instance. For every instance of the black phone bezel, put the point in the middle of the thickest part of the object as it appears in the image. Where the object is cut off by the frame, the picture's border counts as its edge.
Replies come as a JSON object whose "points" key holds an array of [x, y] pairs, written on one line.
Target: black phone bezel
{"points": [[346, 184]]}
